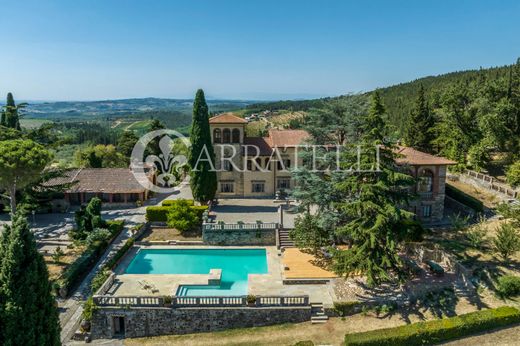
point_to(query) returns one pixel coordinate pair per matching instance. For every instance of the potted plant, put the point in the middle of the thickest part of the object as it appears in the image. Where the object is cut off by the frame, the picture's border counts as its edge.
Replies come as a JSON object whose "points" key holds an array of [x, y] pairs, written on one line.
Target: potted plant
{"points": [[251, 300], [168, 301]]}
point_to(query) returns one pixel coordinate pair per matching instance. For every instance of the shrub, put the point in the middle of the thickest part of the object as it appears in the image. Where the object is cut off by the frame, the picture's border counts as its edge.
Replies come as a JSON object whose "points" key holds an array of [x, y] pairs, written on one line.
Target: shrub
{"points": [[170, 202], [507, 241], [160, 213], [88, 309], [304, 343], [458, 222], [350, 308], [508, 286], [119, 254], [98, 235], [57, 255], [476, 235], [115, 226], [182, 217], [436, 331], [157, 213], [509, 211], [99, 279], [513, 174], [464, 198]]}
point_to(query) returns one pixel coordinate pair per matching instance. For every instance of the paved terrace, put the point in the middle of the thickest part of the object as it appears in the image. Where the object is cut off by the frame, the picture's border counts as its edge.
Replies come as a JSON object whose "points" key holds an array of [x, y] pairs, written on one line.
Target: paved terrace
{"points": [[232, 210], [270, 284]]}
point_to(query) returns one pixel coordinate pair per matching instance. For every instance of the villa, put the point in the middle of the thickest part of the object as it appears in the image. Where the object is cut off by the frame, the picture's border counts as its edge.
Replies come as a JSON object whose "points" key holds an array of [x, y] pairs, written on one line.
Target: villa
{"points": [[267, 173]]}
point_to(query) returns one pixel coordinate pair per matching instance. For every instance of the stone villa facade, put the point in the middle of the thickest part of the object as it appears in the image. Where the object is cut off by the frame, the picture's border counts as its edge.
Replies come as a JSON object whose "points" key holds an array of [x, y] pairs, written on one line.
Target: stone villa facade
{"points": [[267, 173], [264, 176]]}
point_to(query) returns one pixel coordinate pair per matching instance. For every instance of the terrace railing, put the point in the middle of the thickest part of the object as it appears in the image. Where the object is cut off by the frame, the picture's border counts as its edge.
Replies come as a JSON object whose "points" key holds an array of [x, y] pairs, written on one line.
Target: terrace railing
{"points": [[239, 301], [239, 226], [128, 301]]}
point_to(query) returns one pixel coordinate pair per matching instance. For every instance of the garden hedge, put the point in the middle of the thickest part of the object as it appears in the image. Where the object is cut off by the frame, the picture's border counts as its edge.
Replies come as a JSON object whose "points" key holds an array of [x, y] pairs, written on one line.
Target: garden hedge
{"points": [[508, 286], [82, 265], [464, 198], [170, 202], [436, 331], [160, 213]]}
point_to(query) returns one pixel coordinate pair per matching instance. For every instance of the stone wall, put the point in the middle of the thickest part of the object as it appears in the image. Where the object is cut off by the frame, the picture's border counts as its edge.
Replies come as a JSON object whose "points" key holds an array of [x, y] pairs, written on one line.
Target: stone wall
{"points": [[240, 237], [140, 322]]}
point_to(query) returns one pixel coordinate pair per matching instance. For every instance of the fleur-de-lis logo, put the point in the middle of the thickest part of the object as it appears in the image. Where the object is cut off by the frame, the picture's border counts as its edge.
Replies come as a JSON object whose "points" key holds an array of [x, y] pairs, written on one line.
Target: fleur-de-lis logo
{"points": [[168, 166]]}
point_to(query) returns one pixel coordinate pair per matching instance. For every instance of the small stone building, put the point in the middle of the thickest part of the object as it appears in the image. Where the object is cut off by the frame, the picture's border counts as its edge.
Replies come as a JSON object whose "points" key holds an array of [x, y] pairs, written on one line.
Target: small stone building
{"points": [[111, 185], [430, 173]]}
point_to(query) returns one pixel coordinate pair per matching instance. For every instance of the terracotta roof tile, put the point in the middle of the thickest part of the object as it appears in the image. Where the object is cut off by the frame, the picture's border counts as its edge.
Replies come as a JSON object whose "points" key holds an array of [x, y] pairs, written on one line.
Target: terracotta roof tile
{"points": [[98, 180], [415, 157], [227, 118], [261, 143], [288, 138]]}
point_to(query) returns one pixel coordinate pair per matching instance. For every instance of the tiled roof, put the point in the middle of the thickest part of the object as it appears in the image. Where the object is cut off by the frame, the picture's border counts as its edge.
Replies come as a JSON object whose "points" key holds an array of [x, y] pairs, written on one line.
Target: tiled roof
{"points": [[227, 118], [414, 157], [287, 138], [99, 180], [260, 143]]}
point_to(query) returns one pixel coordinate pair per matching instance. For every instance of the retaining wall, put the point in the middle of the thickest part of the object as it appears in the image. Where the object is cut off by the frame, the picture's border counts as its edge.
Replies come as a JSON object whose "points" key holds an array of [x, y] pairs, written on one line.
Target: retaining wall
{"points": [[239, 237], [140, 322]]}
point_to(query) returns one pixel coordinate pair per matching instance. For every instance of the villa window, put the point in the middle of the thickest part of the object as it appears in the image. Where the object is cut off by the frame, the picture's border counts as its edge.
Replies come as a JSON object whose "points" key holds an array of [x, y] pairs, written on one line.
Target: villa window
{"points": [[285, 164], [258, 164], [426, 211], [236, 136], [227, 187], [258, 186], [267, 164], [283, 183], [425, 183], [217, 136], [226, 134], [227, 166]]}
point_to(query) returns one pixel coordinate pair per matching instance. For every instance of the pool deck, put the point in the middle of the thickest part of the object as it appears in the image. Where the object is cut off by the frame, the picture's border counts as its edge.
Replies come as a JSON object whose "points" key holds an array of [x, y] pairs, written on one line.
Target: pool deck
{"points": [[301, 265], [270, 284]]}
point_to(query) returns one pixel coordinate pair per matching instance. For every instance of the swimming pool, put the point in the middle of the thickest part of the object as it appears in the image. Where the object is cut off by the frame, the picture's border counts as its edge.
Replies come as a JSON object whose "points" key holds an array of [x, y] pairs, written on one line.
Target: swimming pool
{"points": [[236, 264]]}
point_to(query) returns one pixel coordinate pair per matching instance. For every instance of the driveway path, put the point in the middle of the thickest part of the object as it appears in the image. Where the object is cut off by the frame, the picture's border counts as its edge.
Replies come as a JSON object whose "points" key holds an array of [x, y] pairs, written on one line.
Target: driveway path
{"points": [[72, 307]]}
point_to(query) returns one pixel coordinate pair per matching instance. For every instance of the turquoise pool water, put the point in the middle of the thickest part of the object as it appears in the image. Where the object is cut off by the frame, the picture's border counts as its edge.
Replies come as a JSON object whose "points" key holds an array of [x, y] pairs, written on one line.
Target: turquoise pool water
{"points": [[236, 264]]}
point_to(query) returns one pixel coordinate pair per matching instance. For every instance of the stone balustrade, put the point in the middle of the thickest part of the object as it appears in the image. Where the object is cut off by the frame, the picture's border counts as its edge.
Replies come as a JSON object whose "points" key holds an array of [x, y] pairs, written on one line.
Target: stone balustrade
{"points": [[239, 301], [239, 226]]}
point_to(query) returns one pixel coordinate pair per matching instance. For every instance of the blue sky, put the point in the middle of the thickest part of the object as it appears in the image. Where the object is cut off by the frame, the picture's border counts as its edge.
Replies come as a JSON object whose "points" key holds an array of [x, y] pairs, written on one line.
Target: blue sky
{"points": [[246, 49]]}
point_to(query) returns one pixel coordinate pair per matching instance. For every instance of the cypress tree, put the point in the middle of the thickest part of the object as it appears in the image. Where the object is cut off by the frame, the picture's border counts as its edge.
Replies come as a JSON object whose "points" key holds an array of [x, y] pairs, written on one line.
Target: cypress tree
{"points": [[2, 119], [418, 133], [11, 113], [203, 178], [374, 195], [28, 314]]}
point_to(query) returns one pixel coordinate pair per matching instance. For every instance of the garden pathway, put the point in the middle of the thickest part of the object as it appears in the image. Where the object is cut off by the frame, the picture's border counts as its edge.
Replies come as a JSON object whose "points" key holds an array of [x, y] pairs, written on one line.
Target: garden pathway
{"points": [[72, 307]]}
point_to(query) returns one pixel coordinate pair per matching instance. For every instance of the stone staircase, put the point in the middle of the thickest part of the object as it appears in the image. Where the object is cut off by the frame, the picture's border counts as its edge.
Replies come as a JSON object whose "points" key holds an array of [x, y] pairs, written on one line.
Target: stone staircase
{"points": [[285, 241], [318, 313]]}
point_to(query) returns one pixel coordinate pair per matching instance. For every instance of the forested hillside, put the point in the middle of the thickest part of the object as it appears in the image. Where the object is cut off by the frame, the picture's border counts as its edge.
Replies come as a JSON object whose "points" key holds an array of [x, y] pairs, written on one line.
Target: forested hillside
{"points": [[472, 117]]}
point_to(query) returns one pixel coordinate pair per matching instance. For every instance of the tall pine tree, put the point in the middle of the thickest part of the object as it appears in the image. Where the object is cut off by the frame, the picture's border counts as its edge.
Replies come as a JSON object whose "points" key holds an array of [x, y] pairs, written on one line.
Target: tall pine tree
{"points": [[419, 130], [203, 177], [28, 314], [374, 196]]}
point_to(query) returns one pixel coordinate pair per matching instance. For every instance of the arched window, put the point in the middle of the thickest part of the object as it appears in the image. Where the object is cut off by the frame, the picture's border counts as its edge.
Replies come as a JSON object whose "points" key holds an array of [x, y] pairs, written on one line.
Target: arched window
{"points": [[258, 163], [236, 136], [217, 136], [226, 135], [425, 181]]}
